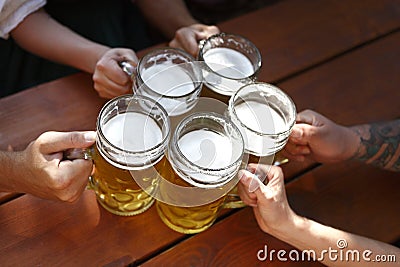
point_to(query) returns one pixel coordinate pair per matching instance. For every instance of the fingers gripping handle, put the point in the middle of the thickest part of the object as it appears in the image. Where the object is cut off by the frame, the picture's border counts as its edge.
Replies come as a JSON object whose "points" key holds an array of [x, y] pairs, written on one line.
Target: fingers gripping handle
{"points": [[78, 153], [81, 153]]}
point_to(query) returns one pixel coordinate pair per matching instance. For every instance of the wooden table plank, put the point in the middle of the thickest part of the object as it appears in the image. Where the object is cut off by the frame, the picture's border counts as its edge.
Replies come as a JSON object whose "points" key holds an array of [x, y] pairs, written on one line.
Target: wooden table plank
{"points": [[295, 35], [66, 104], [346, 196], [356, 88], [351, 196], [36, 232]]}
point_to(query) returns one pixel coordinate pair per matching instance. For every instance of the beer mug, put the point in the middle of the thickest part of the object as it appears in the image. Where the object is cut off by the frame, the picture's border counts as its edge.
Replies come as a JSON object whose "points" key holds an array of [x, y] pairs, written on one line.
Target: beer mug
{"points": [[132, 136], [171, 77], [230, 60], [204, 154], [265, 116]]}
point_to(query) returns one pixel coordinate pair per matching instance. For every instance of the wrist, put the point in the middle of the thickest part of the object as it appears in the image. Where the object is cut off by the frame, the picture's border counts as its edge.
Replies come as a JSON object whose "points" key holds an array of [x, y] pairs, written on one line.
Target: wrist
{"points": [[285, 229], [295, 231], [352, 144], [357, 132], [96, 52]]}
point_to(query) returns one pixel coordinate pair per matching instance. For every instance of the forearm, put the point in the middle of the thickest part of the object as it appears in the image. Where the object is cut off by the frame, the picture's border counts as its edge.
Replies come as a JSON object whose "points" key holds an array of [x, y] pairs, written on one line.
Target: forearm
{"points": [[334, 247], [166, 15], [380, 144], [45, 37]]}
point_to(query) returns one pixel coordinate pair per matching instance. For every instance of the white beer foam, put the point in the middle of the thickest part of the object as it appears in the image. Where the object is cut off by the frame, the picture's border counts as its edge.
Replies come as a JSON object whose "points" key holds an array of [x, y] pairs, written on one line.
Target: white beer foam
{"points": [[208, 150], [263, 120], [168, 79], [133, 131], [229, 63], [260, 117]]}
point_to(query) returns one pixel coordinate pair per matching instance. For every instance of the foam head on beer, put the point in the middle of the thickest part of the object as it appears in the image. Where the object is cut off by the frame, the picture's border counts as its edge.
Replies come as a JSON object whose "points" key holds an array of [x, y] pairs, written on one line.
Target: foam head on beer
{"points": [[170, 77], [264, 114], [229, 63], [263, 120], [206, 149], [140, 132], [134, 133]]}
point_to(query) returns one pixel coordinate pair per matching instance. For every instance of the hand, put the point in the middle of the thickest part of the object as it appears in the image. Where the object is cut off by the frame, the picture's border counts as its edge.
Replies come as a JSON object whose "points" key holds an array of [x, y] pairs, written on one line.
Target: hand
{"points": [[269, 202], [275, 217], [109, 79], [188, 38], [320, 139], [45, 174]]}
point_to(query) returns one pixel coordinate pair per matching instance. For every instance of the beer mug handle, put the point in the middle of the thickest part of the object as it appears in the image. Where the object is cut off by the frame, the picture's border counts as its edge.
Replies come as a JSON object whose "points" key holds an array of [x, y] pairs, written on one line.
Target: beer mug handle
{"points": [[131, 71], [81, 153], [128, 69]]}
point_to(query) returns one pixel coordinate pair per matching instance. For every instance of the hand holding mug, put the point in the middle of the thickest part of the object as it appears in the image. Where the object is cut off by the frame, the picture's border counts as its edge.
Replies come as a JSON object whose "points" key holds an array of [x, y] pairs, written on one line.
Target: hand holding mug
{"points": [[188, 37], [269, 201], [316, 137], [45, 174], [109, 78]]}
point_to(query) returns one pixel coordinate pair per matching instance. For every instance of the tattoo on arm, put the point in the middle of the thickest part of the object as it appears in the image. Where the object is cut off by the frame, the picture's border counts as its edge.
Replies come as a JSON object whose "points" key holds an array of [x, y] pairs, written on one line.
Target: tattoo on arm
{"points": [[380, 144]]}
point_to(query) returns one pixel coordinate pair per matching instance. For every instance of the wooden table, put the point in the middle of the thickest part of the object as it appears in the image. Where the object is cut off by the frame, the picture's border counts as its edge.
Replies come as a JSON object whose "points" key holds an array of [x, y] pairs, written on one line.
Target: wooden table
{"points": [[341, 58]]}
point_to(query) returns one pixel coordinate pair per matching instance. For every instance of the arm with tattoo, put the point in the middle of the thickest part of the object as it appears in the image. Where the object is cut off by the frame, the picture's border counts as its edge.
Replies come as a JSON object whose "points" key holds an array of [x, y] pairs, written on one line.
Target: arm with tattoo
{"points": [[320, 139], [380, 144]]}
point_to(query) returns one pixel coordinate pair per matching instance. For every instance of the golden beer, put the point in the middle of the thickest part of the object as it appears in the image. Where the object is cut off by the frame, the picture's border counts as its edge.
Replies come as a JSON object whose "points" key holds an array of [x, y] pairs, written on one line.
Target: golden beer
{"points": [[205, 154], [187, 220], [132, 134], [116, 189]]}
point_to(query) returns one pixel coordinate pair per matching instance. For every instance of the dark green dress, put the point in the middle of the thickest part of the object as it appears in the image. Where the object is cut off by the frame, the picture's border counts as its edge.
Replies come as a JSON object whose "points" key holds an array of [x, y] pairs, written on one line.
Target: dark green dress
{"points": [[116, 23]]}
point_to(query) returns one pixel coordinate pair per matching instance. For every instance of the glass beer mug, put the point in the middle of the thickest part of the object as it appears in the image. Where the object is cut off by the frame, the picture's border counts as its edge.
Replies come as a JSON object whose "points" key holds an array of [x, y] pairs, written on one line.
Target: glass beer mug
{"points": [[204, 156], [230, 60], [132, 136], [171, 77], [265, 116]]}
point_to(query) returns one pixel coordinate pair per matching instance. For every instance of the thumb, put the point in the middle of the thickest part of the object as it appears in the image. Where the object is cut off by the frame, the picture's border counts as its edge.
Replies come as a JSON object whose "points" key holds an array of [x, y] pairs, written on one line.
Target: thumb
{"points": [[250, 181], [52, 142]]}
